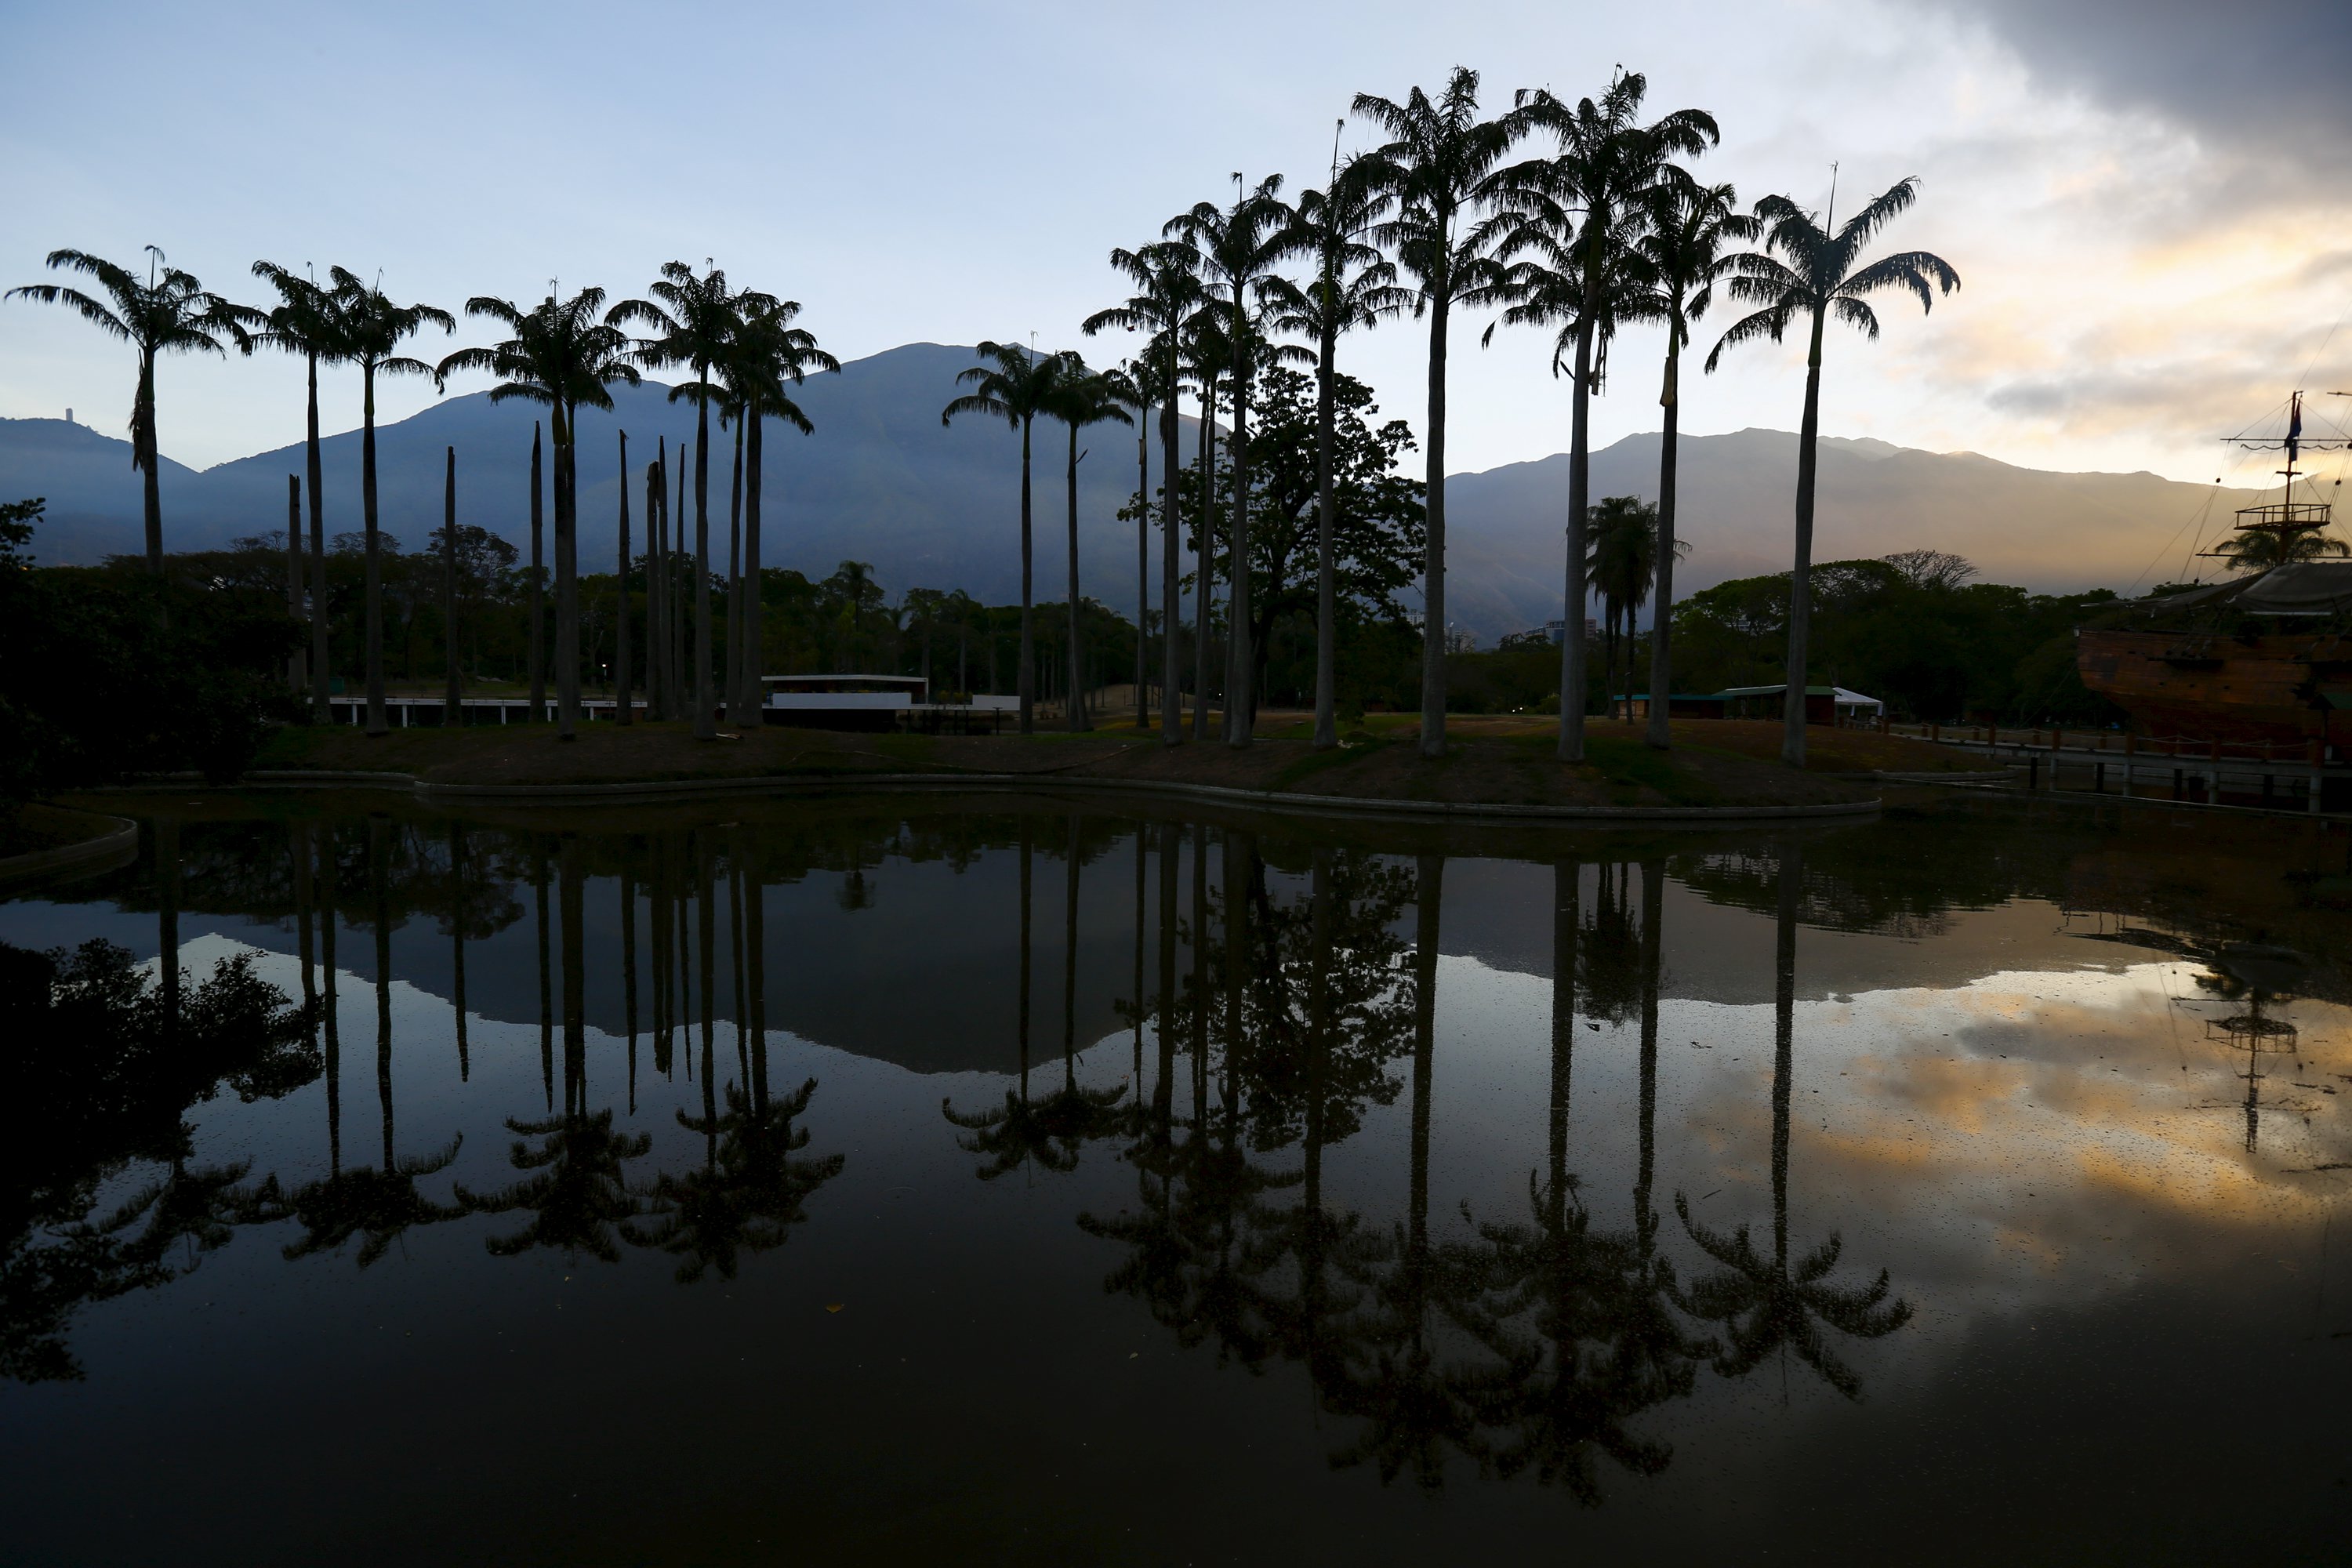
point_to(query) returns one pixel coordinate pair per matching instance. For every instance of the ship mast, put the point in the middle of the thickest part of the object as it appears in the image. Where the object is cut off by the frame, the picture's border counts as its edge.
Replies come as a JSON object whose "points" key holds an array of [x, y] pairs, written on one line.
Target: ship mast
{"points": [[2289, 519]]}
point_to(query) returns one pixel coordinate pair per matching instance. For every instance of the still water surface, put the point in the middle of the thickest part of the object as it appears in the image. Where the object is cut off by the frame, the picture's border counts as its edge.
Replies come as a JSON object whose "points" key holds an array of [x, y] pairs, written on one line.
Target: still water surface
{"points": [[1012, 1185]]}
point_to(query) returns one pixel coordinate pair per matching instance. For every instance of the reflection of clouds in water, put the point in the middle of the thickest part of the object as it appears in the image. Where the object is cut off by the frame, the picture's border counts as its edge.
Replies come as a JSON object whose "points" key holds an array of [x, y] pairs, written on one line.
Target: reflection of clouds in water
{"points": [[2026, 1138]]}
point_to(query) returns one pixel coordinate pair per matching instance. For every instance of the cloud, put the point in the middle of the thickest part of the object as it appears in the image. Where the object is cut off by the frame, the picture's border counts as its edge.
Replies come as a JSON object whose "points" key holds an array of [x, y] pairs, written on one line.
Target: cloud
{"points": [[2264, 78]]}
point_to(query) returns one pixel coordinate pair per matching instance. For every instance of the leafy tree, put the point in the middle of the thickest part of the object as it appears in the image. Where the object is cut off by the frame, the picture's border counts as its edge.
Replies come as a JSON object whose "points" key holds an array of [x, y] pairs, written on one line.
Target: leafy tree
{"points": [[1440, 163], [170, 312], [1807, 272]]}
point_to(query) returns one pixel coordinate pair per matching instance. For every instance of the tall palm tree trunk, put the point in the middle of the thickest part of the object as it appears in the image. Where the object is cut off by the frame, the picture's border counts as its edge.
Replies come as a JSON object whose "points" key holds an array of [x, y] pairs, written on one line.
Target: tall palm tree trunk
{"points": [[1204, 530], [1800, 576], [331, 1007], [1241, 668], [1077, 705], [143, 456], [1027, 673], [754, 668], [453, 694], [1432, 571], [1567, 920], [1142, 565], [376, 722], [1580, 497], [1171, 546], [1327, 629], [567, 579], [1070, 962], [732, 686], [457, 946], [624, 712], [380, 913], [1428, 894], [680, 688], [295, 673], [538, 657], [1662, 662], [706, 727], [1784, 1014], [322, 711]]}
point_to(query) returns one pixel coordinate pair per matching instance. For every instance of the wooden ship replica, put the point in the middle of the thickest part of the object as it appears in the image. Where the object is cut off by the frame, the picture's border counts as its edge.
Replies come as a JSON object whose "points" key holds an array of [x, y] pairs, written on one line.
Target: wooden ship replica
{"points": [[2263, 657]]}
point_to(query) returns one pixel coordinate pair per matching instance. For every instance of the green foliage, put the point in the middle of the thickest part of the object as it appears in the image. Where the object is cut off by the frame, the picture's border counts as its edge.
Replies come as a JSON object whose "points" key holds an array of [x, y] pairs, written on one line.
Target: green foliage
{"points": [[1909, 629], [105, 671]]}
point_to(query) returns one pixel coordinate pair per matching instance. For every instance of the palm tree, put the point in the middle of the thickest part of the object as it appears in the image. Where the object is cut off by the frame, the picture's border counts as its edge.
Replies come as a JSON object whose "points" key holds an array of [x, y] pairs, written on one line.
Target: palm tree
{"points": [[304, 323], [1168, 291], [1438, 165], [560, 354], [1621, 537], [169, 313], [373, 328], [1086, 397], [694, 319], [1240, 246], [2260, 549], [1813, 276], [1353, 286], [768, 354], [1579, 212], [1681, 242], [1017, 387]]}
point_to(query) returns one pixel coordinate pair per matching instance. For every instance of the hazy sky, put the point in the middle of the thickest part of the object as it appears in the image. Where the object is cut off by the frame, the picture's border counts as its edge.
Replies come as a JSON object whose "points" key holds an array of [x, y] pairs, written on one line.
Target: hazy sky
{"points": [[2146, 199]]}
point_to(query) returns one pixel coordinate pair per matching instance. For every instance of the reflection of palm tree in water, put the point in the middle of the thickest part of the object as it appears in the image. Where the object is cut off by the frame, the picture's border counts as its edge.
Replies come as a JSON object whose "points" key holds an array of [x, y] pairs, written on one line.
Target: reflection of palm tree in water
{"points": [[381, 1203], [1017, 1135], [1073, 1116], [1768, 1303]]}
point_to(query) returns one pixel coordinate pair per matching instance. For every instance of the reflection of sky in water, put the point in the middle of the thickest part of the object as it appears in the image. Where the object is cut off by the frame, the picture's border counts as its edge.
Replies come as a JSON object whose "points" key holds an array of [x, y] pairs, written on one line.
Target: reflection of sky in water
{"points": [[2038, 1137]]}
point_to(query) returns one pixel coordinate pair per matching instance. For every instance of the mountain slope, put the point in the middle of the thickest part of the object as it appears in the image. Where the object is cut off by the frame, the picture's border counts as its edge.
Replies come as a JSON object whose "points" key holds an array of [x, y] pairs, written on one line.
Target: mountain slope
{"points": [[882, 481]]}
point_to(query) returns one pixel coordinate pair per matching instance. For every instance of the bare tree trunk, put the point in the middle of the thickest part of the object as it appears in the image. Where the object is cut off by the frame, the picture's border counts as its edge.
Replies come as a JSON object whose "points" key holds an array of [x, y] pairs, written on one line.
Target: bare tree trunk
{"points": [[1172, 673], [1241, 668], [624, 712], [677, 612], [1801, 576], [296, 676], [373, 615], [1661, 662], [567, 581], [1571, 640], [1432, 590], [321, 710], [1076, 704], [731, 692], [143, 456], [755, 686], [706, 727], [538, 661], [1027, 671], [453, 694], [1204, 574]]}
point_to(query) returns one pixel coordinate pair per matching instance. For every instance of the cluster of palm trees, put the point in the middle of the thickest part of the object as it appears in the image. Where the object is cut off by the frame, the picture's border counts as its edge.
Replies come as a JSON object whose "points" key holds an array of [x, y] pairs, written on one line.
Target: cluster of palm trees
{"points": [[740, 347], [1603, 228]]}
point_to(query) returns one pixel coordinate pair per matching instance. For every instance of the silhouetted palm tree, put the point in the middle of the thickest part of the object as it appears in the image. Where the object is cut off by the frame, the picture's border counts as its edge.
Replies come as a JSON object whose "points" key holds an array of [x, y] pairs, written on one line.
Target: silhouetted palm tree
{"points": [[769, 354], [1240, 246], [1168, 291], [1622, 541], [1576, 216], [1683, 241], [559, 354], [170, 312], [1807, 273], [1353, 286], [1085, 397], [1018, 387], [693, 320], [1439, 165], [1205, 355], [305, 322], [373, 328]]}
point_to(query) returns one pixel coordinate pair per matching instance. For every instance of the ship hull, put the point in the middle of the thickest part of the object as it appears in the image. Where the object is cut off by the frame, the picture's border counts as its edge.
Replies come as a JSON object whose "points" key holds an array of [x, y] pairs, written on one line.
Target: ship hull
{"points": [[2281, 690]]}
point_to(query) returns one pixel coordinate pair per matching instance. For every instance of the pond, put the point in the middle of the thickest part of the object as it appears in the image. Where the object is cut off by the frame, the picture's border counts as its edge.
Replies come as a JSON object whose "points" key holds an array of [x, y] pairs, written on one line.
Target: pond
{"points": [[1018, 1180]]}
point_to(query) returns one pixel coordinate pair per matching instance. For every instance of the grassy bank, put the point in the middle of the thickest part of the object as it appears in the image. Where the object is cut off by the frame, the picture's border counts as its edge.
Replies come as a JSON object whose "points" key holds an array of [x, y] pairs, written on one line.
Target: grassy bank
{"points": [[1488, 762]]}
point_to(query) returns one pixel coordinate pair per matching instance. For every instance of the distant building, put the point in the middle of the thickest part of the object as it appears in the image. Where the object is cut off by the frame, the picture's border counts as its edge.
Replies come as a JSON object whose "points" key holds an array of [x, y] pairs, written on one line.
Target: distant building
{"points": [[1557, 630]]}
